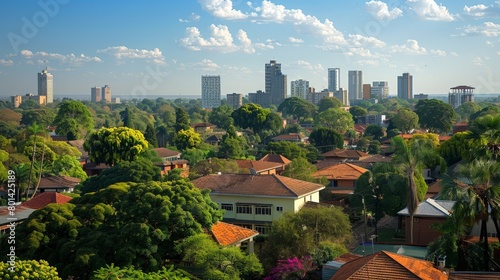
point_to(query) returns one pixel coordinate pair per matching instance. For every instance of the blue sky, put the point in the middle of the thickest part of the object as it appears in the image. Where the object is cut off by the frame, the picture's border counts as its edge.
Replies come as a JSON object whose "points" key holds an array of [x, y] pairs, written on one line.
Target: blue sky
{"points": [[163, 47]]}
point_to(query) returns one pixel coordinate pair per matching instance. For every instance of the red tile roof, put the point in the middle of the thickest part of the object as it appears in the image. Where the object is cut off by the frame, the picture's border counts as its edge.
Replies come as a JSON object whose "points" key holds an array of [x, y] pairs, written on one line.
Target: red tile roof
{"points": [[342, 171], [256, 185], [290, 137], [227, 234], [43, 199], [275, 158], [58, 182], [164, 152], [386, 265], [259, 166], [349, 154]]}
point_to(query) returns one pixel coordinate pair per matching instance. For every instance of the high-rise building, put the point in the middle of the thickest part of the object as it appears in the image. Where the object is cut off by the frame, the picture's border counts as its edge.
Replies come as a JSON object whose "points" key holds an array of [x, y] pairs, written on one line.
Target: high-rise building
{"points": [[379, 90], [333, 79], [260, 97], [95, 94], [276, 83], [366, 91], [235, 100], [355, 87], [299, 88], [405, 86], [210, 91], [343, 96], [315, 97], [459, 95], [106, 93], [46, 85]]}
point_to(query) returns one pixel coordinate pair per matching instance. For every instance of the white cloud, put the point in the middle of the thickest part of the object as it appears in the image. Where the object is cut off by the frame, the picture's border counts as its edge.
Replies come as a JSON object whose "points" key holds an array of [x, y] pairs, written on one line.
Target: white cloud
{"points": [[482, 11], [264, 46], [6, 62], [222, 9], [193, 17], [220, 40], [430, 10], [488, 29], [206, 65], [359, 52], [295, 40], [42, 57], [489, 43], [453, 54], [123, 52], [411, 47], [498, 53], [380, 11], [307, 65], [369, 62], [478, 61], [438, 52], [359, 40], [246, 43]]}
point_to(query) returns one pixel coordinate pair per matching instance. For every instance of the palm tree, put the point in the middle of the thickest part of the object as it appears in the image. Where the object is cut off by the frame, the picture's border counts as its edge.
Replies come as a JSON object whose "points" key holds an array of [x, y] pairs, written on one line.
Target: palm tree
{"points": [[476, 190], [485, 135], [34, 129]]}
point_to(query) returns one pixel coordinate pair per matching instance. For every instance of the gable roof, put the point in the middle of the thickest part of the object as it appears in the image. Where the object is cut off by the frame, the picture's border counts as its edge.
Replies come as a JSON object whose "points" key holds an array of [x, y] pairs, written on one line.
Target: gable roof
{"points": [[227, 234], [58, 182], [256, 185], [43, 199], [386, 265], [431, 208], [342, 171], [345, 154], [203, 124], [259, 166], [275, 158], [79, 145], [164, 152], [290, 137]]}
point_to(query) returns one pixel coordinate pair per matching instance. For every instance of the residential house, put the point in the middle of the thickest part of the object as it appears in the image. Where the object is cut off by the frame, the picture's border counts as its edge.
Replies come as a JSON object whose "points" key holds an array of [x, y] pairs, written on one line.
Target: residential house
{"points": [[91, 168], [342, 176], [58, 184], [254, 201], [345, 155], [283, 161], [79, 145], [291, 137], [171, 160], [203, 128], [232, 235], [213, 140], [259, 167], [428, 212]]}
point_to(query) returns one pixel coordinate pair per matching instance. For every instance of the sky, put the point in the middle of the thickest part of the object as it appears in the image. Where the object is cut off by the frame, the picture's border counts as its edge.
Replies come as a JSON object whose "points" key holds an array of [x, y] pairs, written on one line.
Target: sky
{"points": [[163, 47]]}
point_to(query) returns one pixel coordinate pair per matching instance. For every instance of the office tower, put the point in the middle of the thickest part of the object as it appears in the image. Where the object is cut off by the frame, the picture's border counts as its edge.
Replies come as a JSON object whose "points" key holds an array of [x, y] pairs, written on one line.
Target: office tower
{"points": [[276, 83], [16, 100], [106, 93], [299, 88], [422, 96], [343, 96], [366, 91], [355, 87], [235, 100], [46, 85], [95, 94], [405, 86], [315, 97], [210, 91], [380, 90], [459, 95], [333, 79]]}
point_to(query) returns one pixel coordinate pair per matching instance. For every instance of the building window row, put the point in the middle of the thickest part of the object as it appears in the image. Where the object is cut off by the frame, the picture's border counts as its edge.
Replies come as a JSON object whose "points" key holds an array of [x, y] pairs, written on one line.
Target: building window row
{"points": [[257, 209]]}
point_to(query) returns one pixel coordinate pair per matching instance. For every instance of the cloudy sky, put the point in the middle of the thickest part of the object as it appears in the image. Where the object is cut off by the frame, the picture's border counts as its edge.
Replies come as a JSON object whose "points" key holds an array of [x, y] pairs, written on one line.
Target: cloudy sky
{"points": [[163, 47]]}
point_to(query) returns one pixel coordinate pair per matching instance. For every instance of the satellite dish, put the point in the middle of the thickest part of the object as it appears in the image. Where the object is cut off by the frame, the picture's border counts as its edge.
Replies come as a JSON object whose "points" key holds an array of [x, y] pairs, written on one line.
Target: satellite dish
{"points": [[253, 171]]}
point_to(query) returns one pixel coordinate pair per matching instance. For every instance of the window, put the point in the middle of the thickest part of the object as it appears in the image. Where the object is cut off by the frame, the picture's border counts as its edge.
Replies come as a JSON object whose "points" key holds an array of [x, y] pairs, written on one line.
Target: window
{"points": [[263, 210], [262, 229], [244, 209], [279, 208], [226, 206]]}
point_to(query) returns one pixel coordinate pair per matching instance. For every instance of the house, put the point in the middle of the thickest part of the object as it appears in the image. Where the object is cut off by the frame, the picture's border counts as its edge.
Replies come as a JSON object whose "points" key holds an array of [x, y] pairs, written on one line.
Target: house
{"points": [[203, 127], [171, 160], [283, 161], [259, 167], [167, 155], [345, 155], [232, 235], [291, 137], [428, 212], [78, 144], [386, 265], [342, 176], [254, 201], [213, 140], [91, 168], [58, 184], [434, 189]]}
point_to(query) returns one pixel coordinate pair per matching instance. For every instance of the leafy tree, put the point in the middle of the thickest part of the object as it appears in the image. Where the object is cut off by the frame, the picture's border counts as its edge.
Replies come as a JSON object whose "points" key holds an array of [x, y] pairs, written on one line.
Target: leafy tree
{"points": [[484, 134], [150, 135], [29, 270], [73, 120], [185, 139], [357, 111], [455, 149], [43, 116], [193, 156], [488, 110], [301, 169], [4, 156], [336, 119], [299, 109], [273, 122], [329, 103], [115, 272], [67, 165], [467, 109], [213, 166], [181, 120], [374, 130], [251, 116], [10, 116], [379, 108], [374, 147], [221, 116], [362, 144], [287, 149], [325, 139], [138, 171], [29, 104], [36, 148], [292, 268], [127, 117], [405, 120], [435, 115], [115, 144], [232, 146], [63, 148]]}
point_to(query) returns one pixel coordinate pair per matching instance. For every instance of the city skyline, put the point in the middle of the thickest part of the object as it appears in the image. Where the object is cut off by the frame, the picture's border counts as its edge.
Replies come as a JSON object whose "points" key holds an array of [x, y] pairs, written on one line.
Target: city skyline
{"points": [[163, 47]]}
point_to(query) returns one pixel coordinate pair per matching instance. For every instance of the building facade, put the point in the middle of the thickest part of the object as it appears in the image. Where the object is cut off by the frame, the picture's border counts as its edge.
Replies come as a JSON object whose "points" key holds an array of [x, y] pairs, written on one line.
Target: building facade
{"points": [[459, 95], [46, 85], [379, 90], [260, 97], [234, 100], [276, 82], [366, 91], [343, 96], [210, 91], [315, 97], [299, 88], [355, 87], [95, 94], [333, 79], [106, 93], [405, 86]]}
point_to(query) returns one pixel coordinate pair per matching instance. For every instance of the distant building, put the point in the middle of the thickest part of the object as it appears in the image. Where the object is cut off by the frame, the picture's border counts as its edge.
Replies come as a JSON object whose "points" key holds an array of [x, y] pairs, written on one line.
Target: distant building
{"points": [[235, 100], [46, 85], [343, 96], [95, 94], [299, 88], [372, 119], [355, 87], [459, 95], [106, 93], [210, 91], [366, 91], [260, 97], [315, 97], [115, 100], [40, 99], [16, 100], [421, 96], [333, 79], [405, 86], [276, 83], [379, 90]]}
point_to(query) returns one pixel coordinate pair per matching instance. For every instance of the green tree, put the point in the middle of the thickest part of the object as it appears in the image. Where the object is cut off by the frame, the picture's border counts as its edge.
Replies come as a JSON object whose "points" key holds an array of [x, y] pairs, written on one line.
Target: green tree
{"points": [[273, 122], [325, 139], [405, 120], [213, 166], [29, 270], [374, 130], [185, 139], [357, 111], [374, 147], [43, 116], [4, 156], [150, 135], [336, 119], [467, 109], [287, 149], [329, 103], [221, 116], [127, 117], [484, 134], [488, 110], [63, 148], [435, 115], [193, 156], [115, 272], [73, 119], [298, 108], [251, 116], [181, 120], [378, 108], [67, 165], [455, 149], [115, 144], [301, 169]]}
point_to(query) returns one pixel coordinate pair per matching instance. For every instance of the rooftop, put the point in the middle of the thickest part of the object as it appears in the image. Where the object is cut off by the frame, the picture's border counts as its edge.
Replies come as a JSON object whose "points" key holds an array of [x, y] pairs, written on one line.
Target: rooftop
{"points": [[227, 234], [342, 171]]}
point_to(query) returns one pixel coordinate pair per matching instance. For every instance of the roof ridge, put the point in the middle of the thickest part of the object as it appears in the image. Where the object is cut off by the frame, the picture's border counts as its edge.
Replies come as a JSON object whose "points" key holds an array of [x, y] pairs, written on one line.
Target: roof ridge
{"points": [[438, 206], [358, 168], [392, 256], [278, 177]]}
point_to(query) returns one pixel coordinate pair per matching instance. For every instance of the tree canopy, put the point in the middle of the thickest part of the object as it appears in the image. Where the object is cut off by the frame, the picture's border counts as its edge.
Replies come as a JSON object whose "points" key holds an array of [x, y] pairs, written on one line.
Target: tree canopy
{"points": [[221, 116], [336, 119], [298, 108], [405, 120], [73, 120], [435, 115], [325, 139], [251, 116], [328, 103]]}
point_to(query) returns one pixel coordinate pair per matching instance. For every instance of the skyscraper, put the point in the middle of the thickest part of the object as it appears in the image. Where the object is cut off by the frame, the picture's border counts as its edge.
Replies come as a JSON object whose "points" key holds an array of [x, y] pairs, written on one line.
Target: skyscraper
{"points": [[299, 88], [106, 93], [234, 100], [380, 90], [276, 83], [333, 79], [46, 85], [210, 91], [95, 94], [355, 87], [405, 86]]}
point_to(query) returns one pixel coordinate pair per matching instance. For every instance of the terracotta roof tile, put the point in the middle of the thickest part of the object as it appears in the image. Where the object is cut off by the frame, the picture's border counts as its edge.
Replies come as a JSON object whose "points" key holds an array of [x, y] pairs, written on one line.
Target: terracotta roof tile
{"points": [[345, 154], [256, 185], [259, 166], [58, 182], [473, 275], [386, 265], [227, 234], [275, 158], [164, 152], [43, 199], [290, 136], [342, 171]]}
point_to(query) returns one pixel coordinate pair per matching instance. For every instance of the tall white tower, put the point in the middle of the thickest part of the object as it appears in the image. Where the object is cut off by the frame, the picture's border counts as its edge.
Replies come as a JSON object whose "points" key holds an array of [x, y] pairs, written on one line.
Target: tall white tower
{"points": [[46, 85], [210, 91], [333, 79]]}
